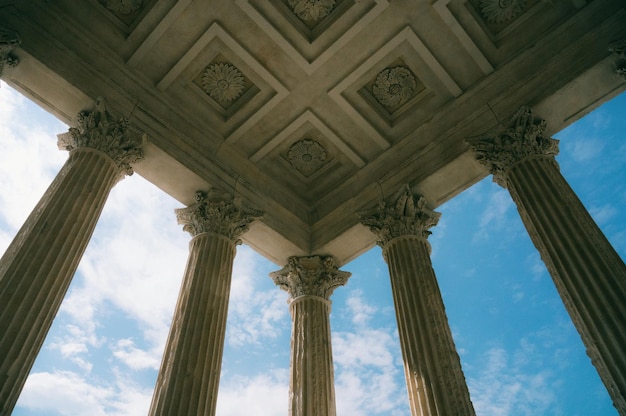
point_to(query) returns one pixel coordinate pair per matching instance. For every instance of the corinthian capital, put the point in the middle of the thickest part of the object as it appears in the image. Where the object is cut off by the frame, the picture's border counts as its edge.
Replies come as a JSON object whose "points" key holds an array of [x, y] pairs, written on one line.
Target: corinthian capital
{"points": [[619, 49], [9, 40], [312, 276], [105, 130], [521, 136], [218, 213], [404, 214]]}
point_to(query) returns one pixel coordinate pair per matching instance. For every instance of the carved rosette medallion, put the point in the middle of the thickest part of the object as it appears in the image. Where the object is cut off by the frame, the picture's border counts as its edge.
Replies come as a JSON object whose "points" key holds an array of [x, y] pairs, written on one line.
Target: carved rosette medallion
{"points": [[521, 137], [405, 214], [500, 11], [394, 86], [223, 82], [312, 10], [105, 130], [619, 49], [122, 6], [310, 276], [218, 213], [306, 156], [9, 40]]}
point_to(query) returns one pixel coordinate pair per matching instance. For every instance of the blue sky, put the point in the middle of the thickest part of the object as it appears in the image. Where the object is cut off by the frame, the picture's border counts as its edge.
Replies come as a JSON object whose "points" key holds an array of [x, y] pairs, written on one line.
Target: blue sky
{"points": [[520, 353]]}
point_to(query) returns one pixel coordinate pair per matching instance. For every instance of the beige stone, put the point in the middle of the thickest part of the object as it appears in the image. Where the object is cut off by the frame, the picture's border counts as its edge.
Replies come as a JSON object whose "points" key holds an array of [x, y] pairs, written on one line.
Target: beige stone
{"points": [[312, 111], [190, 372], [588, 273], [38, 266], [310, 281], [435, 380]]}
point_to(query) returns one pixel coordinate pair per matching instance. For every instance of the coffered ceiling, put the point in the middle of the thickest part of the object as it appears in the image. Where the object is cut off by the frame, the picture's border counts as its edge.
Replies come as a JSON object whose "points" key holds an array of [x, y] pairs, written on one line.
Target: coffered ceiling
{"points": [[312, 110]]}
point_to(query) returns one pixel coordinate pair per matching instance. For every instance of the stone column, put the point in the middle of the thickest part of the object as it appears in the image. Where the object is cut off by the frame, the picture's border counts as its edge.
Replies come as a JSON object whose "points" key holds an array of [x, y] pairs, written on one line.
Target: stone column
{"points": [[588, 273], [310, 281], [189, 377], [38, 266], [435, 380]]}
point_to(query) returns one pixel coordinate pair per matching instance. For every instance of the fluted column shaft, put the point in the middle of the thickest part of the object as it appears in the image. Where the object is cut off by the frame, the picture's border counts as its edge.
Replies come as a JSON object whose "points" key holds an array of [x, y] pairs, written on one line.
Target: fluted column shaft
{"points": [[588, 273], [432, 366], [189, 377], [310, 281], [38, 266], [311, 376], [435, 381]]}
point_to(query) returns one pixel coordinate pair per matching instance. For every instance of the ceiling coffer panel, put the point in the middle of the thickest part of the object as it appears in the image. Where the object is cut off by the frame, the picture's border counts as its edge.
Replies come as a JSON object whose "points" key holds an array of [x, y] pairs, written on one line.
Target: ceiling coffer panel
{"points": [[396, 89], [222, 84], [312, 32]]}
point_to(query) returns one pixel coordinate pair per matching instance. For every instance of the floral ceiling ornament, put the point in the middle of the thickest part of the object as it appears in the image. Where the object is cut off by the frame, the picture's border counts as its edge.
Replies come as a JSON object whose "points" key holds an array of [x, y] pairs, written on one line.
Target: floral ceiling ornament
{"points": [[394, 86], [306, 156], [499, 11], [312, 10], [223, 82], [122, 6]]}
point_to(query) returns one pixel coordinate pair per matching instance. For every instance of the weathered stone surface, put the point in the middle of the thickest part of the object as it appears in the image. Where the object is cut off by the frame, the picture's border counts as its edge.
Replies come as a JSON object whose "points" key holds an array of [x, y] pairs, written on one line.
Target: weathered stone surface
{"points": [[310, 276], [588, 273], [190, 371], [38, 266], [310, 281], [521, 137], [217, 213], [435, 380], [404, 214], [9, 40]]}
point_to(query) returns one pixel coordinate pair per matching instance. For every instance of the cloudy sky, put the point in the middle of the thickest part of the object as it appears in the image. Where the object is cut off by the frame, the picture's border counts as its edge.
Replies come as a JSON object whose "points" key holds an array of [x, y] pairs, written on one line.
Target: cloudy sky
{"points": [[520, 353]]}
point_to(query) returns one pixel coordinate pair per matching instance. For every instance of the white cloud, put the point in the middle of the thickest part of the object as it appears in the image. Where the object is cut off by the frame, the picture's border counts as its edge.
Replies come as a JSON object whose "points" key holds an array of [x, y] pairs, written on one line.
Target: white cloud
{"points": [[505, 386], [136, 358], [260, 395], [254, 313], [496, 215], [604, 213], [368, 380], [582, 150], [29, 160], [66, 393]]}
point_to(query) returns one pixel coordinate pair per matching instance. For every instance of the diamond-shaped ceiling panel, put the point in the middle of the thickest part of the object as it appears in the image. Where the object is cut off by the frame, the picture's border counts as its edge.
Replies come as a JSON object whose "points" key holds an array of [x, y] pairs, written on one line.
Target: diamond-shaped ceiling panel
{"points": [[403, 75], [311, 32], [219, 74]]}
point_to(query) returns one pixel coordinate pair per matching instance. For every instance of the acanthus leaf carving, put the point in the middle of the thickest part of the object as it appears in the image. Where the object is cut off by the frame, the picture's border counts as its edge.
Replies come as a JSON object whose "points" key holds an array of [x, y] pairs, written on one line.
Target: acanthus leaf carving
{"points": [[619, 49], [312, 10], [105, 130], [9, 40], [405, 214], [500, 11], [521, 136], [219, 213], [310, 276]]}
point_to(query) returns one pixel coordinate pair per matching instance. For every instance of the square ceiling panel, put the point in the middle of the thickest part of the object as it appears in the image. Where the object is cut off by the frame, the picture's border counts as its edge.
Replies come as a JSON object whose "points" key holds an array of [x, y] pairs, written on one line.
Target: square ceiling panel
{"points": [[494, 30], [312, 31], [396, 89], [308, 157], [222, 84], [126, 14]]}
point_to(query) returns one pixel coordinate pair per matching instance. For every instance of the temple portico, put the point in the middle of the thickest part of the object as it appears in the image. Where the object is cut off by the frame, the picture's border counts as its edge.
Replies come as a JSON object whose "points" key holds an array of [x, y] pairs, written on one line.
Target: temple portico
{"points": [[286, 125]]}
